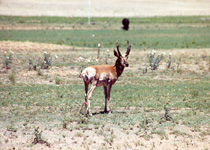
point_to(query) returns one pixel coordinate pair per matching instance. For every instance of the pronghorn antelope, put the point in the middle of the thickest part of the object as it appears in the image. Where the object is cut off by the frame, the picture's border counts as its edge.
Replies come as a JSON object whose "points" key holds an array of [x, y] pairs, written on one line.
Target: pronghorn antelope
{"points": [[104, 75]]}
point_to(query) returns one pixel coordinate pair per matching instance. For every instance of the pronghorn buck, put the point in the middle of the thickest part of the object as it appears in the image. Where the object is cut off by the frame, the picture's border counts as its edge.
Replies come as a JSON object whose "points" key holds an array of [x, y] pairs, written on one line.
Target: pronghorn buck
{"points": [[104, 75]]}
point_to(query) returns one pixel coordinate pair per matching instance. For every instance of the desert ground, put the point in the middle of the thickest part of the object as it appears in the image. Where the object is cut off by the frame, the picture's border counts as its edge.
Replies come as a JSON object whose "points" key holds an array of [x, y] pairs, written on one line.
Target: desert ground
{"points": [[104, 8], [44, 108]]}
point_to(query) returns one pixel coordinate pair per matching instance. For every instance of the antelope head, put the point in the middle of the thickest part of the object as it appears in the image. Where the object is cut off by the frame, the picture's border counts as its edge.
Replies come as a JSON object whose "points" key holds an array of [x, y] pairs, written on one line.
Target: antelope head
{"points": [[122, 59]]}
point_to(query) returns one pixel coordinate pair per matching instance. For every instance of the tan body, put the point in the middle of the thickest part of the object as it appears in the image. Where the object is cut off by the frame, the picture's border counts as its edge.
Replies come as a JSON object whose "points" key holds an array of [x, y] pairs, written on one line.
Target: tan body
{"points": [[103, 75]]}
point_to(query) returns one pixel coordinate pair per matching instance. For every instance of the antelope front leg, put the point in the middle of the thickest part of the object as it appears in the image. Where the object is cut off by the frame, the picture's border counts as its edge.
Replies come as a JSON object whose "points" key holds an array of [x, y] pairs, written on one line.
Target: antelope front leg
{"points": [[93, 87], [105, 93], [107, 110], [86, 93]]}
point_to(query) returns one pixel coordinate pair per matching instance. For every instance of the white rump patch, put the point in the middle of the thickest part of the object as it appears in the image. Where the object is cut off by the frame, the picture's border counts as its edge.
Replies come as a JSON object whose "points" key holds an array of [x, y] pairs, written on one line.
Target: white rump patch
{"points": [[88, 74]]}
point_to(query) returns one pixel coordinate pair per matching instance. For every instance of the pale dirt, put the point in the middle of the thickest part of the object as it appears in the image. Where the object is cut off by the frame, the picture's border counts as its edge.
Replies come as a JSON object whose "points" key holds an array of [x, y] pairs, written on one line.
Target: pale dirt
{"points": [[95, 139], [101, 8]]}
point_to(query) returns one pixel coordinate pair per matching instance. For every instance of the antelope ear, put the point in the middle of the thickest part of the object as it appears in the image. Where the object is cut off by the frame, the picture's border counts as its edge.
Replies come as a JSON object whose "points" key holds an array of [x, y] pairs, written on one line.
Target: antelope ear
{"points": [[128, 51], [115, 53]]}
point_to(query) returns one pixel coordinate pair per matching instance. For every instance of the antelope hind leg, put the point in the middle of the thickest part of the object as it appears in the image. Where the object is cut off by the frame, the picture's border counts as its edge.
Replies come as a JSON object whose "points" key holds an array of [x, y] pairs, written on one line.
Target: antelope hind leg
{"points": [[93, 87]]}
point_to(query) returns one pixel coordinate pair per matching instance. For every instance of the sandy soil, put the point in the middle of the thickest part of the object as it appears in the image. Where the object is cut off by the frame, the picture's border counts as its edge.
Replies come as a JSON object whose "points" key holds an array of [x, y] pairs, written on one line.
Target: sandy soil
{"points": [[100, 8], [95, 138]]}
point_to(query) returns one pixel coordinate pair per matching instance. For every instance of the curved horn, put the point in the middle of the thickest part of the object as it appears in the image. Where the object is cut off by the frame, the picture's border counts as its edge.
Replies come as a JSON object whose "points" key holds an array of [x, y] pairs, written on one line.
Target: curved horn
{"points": [[128, 49], [118, 50], [128, 42]]}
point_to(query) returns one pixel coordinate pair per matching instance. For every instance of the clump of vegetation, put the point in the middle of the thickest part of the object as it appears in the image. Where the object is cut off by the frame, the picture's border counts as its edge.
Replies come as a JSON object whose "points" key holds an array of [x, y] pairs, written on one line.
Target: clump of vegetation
{"points": [[32, 65], [12, 78], [167, 110], [155, 60], [161, 133], [38, 137], [65, 123], [47, 61], [179, 69], [170, 61], [7, 60], [167, 116], [194, 93], [58, 80], [144, 124], [11, 128], [40, 64]]}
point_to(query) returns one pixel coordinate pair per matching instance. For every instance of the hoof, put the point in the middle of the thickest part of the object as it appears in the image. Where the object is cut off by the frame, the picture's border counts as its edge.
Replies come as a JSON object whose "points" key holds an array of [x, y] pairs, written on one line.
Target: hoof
{"points": [[89, 114], [107, 112]]}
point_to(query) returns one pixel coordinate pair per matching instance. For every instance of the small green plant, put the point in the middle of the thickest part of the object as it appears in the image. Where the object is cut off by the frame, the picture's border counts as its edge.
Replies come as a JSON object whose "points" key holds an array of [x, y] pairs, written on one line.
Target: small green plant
{"points": [[178, 132], [170, 61], [47, 61], [58, 80], [144, 123], [12, 78], [167, 110], [11, 128], [78, 134], [161, 133], [167, 116], [83, 120], [194, 93], [7, 60], [155, 60], [32, 65], [179, 69], [65, 124], [38, 137]]}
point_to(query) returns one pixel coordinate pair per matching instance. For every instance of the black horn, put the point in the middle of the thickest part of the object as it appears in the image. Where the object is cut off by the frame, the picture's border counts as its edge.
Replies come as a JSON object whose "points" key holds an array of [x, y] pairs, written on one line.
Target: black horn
{"points": [[118, 50], [128, 49]]}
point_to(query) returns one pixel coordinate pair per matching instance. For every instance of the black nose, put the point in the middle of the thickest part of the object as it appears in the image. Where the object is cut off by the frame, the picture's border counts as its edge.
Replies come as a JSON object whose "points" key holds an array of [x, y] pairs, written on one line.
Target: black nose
{"points": [[126, 64]]}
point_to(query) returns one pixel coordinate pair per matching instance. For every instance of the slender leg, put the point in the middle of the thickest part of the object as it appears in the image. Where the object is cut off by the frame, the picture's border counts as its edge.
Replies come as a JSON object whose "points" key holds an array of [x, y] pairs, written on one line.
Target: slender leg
{"points": [[93, 87], [86, 92], [108, 97], [105, 93]]}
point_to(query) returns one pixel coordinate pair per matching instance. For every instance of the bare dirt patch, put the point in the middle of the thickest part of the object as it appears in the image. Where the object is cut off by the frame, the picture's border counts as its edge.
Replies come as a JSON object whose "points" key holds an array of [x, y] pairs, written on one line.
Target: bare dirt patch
{"points": [[30, 46], [24, 47], [109, 136]]}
